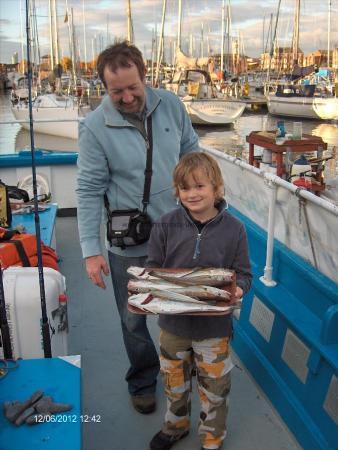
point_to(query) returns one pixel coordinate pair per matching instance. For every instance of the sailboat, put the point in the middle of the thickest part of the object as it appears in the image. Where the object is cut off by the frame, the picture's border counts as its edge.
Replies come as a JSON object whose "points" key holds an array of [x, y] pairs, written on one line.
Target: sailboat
{"points": [[54, 113], [199, 96], [308, 96], [192, 83]]}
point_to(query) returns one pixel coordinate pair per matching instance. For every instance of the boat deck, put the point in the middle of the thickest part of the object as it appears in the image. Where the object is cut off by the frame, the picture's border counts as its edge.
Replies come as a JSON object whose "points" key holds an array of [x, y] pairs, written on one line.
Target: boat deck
{"points": [[95, 334]]}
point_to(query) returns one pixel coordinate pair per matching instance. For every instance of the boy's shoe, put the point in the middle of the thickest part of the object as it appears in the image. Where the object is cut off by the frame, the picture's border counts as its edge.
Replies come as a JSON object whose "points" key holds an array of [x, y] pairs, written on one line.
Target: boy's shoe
{"points": [[144, 404], [163, 441]]}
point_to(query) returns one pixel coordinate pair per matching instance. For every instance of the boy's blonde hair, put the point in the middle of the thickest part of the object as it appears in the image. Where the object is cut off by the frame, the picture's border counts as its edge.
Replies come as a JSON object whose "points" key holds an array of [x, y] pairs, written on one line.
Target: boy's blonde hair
{"points": [[190, 163]]}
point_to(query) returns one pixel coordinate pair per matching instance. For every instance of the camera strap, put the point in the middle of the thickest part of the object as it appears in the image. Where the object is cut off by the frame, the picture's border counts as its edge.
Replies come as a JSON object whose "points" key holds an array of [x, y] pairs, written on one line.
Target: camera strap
{"points": [[149, 165], [148, 172]]}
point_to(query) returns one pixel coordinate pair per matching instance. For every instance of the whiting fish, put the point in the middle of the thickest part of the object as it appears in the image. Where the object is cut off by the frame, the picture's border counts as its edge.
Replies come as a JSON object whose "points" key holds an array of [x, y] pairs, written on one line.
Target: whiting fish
{"points": [[182, 291], [206, 293], [145, 274], [175, 296], [149, 303], [190, 277]]}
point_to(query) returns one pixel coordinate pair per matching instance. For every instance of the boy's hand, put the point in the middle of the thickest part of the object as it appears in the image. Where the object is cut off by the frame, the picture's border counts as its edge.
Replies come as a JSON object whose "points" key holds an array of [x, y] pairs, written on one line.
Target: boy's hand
{"points": [[94, 266], [239, 292]]}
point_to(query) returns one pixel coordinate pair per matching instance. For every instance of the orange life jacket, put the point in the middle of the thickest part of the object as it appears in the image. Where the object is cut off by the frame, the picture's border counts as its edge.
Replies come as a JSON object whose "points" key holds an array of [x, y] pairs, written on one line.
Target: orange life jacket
{"points": [[20, 249]]}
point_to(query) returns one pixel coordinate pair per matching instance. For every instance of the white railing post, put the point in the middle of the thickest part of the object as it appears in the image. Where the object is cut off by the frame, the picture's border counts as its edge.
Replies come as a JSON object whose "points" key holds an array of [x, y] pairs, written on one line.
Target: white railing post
{"points": [[267, 277]]}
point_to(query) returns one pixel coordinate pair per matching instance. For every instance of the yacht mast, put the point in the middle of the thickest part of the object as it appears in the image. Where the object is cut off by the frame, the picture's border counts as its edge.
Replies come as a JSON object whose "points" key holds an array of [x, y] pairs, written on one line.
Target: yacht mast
{"points": [[69, 21], [22, 65], [328, 34], [56, 34], [273, 40], [73, 43], [190, 45], [130, 30], [178, 44], [51, 35], [160, 45], [84, 35], [229, 55], [295, 40], [222, 33]]}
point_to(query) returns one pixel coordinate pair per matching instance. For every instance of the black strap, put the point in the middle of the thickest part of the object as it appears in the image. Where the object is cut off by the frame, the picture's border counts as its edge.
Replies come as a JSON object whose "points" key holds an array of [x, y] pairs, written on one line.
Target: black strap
{"points": [[7, 235], [149, 164], [21, 252], [148, 170], [106, 204]]}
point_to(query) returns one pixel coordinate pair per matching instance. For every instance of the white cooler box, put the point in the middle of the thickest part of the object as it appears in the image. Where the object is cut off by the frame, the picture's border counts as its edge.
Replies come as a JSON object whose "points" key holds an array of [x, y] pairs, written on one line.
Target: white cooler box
{"points": [[23, 307]]}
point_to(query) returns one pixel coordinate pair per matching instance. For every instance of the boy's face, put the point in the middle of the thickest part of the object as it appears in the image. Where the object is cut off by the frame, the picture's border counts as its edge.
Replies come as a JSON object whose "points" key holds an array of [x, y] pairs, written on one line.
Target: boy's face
{"points": [[198, 196]]}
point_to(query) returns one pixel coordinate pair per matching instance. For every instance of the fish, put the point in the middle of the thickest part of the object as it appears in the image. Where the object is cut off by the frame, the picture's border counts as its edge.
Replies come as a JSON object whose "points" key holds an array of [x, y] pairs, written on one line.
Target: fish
{"points": [[201, 292], [185, 277], [146, 274], [175, 296], [216, 281], [149, 304]]}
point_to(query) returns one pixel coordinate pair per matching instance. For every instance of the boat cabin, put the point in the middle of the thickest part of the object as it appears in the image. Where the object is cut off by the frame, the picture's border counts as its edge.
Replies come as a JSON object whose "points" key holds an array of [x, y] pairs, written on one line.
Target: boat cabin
{"points": [[295, 90], [195, 83]]}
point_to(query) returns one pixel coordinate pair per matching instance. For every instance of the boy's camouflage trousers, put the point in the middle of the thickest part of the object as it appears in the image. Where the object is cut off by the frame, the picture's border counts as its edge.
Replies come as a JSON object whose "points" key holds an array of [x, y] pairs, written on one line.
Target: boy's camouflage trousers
{"points": [[213, 365]]}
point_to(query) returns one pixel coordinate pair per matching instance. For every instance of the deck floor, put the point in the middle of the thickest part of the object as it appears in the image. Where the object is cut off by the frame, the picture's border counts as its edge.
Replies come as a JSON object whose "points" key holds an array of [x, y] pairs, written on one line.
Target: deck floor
{"points": [[95, 334]]}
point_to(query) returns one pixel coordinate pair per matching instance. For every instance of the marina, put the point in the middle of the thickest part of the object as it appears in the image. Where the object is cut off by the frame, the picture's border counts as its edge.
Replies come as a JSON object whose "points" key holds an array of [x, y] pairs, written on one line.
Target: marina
{"points": [[103, 352], [271, 124]]}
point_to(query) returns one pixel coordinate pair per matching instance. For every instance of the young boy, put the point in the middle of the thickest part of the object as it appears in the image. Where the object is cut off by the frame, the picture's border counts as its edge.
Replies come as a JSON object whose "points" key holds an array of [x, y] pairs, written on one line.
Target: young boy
{"points": [[201, 233]]}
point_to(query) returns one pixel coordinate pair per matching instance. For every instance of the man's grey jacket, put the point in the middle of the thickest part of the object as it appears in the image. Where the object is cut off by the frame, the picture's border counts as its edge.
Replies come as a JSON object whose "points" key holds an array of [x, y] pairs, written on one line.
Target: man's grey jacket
{"points": [[112, 159]]}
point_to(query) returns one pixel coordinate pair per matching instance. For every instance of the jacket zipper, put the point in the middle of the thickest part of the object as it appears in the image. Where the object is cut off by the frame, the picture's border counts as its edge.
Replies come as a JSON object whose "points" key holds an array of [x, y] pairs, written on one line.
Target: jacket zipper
{"points": [[199, 236], [197, 245]]}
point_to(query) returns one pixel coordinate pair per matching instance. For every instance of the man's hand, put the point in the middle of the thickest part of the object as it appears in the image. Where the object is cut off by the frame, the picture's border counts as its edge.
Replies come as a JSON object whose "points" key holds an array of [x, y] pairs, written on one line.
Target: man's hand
{"points": [[94, 266], [239, 292]]}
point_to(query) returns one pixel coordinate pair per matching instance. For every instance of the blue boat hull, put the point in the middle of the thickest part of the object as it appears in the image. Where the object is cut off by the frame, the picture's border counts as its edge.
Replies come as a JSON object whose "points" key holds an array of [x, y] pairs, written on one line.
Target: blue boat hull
{"points": [[287, 337]]}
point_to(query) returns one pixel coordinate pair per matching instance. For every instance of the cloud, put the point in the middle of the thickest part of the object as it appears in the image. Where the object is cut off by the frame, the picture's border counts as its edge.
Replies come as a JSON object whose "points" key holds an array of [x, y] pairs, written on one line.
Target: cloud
{"points": [[106, 19]]}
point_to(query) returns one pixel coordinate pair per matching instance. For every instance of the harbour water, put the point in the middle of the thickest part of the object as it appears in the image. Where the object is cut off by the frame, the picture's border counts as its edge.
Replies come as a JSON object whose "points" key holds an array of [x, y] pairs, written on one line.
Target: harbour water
{"points": [[230, 139]]}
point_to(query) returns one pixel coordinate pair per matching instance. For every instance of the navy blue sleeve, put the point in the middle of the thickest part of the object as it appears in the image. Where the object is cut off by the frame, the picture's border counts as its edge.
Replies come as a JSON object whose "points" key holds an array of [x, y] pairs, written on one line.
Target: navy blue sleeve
{"points": [[156, 246]]}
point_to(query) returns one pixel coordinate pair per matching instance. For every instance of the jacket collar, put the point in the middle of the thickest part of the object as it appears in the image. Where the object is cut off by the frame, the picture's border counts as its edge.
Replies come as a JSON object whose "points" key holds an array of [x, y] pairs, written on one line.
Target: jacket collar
{"points": [[112, 116], [222, 207]]}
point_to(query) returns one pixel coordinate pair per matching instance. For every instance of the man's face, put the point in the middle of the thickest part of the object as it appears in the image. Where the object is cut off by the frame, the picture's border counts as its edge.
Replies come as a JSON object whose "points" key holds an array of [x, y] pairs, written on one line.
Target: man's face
{"points": [[125, 88]]}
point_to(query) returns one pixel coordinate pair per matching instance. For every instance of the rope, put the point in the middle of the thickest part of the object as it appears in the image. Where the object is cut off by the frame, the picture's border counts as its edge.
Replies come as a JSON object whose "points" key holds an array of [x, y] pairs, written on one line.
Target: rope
{"points": [[302, 202]]}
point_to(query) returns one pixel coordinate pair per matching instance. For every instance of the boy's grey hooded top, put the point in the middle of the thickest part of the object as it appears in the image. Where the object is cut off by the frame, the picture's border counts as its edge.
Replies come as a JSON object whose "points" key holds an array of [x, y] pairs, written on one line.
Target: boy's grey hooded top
{"points": [[175, 242]]}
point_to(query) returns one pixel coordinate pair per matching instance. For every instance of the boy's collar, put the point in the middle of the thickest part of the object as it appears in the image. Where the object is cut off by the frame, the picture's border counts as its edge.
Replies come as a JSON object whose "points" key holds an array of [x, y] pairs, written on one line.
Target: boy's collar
{"points": [[221, 207]]}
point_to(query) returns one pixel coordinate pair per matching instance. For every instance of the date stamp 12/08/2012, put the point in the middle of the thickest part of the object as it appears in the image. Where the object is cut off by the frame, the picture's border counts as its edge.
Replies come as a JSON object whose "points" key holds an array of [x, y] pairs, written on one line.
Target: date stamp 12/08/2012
{"points": [[68, 418]]}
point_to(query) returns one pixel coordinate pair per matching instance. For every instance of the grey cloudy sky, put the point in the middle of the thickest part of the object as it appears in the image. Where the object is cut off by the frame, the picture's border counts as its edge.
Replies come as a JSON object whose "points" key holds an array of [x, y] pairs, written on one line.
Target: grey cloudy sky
{"points": [[106, 19]]}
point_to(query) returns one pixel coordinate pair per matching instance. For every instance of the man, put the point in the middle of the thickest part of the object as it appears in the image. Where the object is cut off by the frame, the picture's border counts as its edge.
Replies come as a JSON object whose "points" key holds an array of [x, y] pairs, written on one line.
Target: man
{"points": [[112, 161]]}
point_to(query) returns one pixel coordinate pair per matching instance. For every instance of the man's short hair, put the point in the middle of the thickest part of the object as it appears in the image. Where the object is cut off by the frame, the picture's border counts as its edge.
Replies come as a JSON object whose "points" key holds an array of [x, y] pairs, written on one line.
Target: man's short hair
{"points": [[119, 55]]}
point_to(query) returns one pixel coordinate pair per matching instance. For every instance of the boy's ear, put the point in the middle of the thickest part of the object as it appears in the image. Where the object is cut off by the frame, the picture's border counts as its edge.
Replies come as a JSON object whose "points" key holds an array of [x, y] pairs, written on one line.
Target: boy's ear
{"points": [[220, 192]]}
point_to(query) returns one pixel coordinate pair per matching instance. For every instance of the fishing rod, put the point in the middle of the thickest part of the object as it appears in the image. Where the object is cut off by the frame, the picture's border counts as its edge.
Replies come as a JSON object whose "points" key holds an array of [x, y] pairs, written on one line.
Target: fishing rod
{"points": [[5, 334], [45, 325]]}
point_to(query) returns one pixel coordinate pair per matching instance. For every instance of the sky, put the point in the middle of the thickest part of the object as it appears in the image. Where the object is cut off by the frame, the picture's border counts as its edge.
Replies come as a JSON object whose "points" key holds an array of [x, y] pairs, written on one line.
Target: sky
{"points": [[106, 20]]}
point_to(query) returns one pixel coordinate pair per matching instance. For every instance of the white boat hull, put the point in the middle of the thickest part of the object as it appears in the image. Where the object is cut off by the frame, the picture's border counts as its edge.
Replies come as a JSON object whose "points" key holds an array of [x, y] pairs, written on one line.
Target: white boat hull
{"points": [[213, 112], [64, 129], [308, 107], [326, 109], [247, 191], [53, 114]]}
